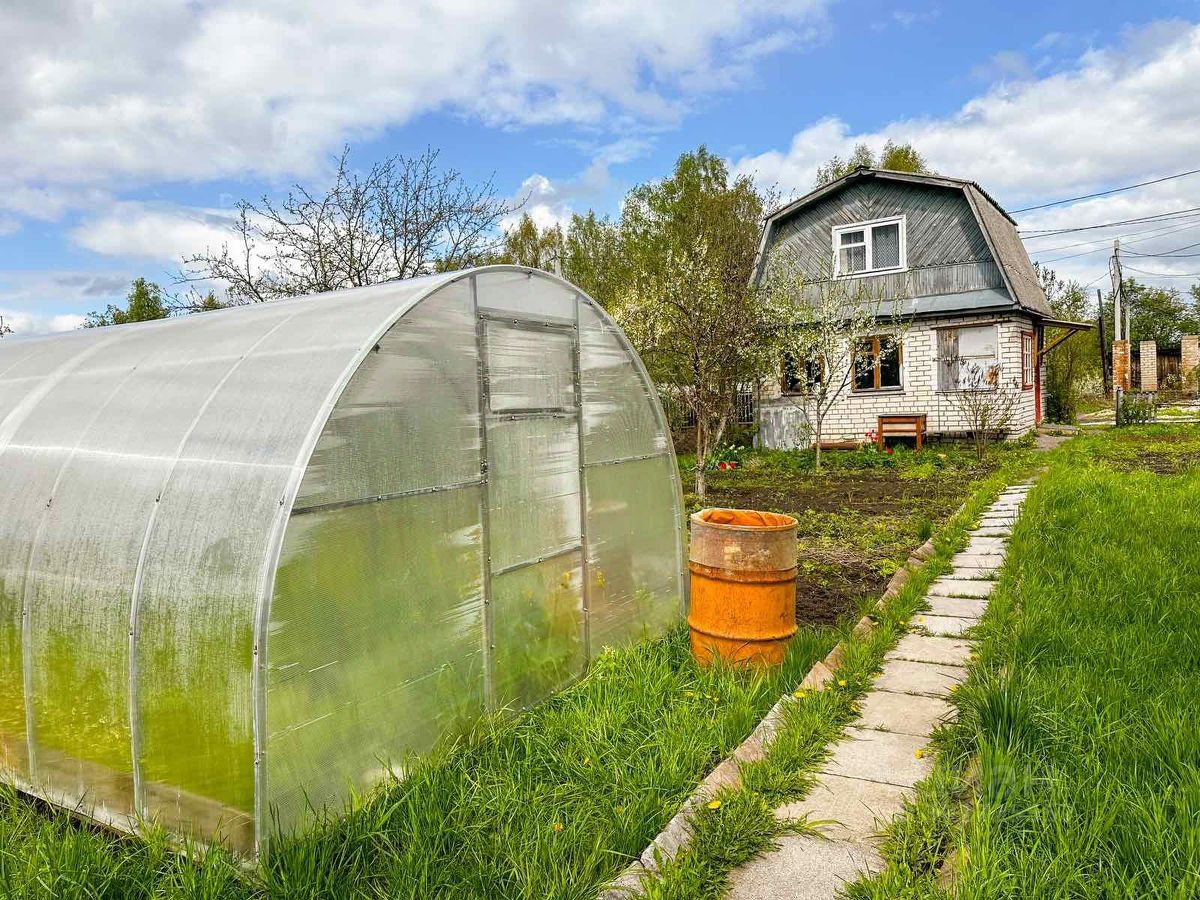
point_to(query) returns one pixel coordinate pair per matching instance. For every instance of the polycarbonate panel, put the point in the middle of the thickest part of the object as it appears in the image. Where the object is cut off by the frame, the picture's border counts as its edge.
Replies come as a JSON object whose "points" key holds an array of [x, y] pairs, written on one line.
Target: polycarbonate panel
{"points": [[533, 488], [634, 581], [526, 294], [529, 367], [619, 416], [537, 616], [376, 643], [410, 415], [204, 565]]}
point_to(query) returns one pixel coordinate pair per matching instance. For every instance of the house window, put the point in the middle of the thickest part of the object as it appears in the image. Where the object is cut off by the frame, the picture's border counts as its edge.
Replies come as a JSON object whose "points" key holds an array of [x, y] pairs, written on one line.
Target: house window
{"points": [[1028, 372], [968, 358], [801, 377], [877, 364], [877, 246]]}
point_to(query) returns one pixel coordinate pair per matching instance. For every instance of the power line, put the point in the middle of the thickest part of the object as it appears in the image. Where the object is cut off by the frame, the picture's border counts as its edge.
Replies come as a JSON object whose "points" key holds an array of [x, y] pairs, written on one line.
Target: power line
{"points": [[1165, 274], [1189, 213], [1167, 229], [1170, 253], [1097, 245], [1129, 187]]}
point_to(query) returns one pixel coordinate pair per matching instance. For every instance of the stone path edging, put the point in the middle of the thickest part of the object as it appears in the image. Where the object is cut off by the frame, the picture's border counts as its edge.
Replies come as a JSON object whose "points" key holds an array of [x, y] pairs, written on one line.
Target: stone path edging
{"points": [[677, 833]]}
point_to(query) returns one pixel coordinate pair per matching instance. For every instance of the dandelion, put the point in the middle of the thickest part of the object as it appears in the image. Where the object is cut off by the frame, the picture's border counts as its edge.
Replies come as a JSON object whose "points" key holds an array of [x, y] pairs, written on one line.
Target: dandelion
{"points": [[919, 754], [557, 826], [800, 695], [619, 810], [587, 760], [689, 693], [841, 682], [714, 804]]}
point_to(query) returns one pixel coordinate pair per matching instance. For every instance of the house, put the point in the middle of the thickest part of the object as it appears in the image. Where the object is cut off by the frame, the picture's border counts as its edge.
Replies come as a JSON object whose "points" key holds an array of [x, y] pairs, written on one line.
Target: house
{"points": [[943, 256]]}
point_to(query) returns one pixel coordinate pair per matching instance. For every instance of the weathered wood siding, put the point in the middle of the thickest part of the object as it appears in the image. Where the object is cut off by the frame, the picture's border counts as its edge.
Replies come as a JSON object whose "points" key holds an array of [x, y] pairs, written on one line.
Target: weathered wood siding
{"points": [[947, 252]]}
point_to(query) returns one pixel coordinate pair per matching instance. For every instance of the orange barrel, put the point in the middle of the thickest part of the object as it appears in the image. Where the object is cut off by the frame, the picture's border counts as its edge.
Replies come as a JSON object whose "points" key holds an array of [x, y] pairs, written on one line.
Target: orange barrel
{"points": [[743, 605]]}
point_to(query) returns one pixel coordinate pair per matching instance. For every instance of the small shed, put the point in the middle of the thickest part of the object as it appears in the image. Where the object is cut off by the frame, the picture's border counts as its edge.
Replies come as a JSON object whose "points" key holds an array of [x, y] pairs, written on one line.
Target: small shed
{"points": [[250, 559]]}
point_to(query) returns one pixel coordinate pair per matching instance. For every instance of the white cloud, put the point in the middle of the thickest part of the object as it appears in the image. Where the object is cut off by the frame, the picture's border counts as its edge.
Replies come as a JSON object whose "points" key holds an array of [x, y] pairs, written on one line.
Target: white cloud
{"points": [[40, 302], [1118, 115], [153, 231], [98, 96]]}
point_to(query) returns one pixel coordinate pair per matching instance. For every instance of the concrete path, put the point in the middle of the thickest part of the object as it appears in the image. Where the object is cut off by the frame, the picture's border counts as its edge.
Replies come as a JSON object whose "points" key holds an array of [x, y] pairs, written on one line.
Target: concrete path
{"points": [[869, 774]]}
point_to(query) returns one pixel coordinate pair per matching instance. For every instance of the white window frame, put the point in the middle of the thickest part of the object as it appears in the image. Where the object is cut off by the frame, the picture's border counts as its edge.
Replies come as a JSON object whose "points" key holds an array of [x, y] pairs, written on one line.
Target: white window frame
{"points": [[866, 229]]}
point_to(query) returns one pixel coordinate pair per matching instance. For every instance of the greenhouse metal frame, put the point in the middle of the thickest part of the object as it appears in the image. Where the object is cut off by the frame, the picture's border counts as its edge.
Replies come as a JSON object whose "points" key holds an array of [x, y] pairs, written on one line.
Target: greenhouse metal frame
{"points": [[252, 558]]}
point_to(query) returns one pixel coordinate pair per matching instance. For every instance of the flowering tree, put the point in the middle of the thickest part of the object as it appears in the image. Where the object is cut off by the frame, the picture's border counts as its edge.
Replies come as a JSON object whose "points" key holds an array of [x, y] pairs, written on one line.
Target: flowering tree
{"points": [[699, 338], [821, 324], [983, 400]]}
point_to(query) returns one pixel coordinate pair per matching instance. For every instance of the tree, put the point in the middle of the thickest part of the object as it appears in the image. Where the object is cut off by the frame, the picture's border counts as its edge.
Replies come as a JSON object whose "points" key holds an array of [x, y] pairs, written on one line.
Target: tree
{"points": [[1075, 361], [4, 327], [406, 216], [984, 402], [699, 340], [526, 245], [594, 259], [897, 157], [686, 250], [822, 323], [144, 303], [1159, 314]]}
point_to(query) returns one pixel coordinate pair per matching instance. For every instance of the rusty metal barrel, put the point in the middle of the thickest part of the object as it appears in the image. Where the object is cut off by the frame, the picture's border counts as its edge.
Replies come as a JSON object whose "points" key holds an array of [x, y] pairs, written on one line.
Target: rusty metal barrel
{"points": [[743, 599]]}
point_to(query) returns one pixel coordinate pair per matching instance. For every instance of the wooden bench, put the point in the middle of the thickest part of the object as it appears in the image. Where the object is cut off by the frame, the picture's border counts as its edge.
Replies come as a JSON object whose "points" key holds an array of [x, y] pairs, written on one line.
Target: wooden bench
{"points": [[900, 426]]}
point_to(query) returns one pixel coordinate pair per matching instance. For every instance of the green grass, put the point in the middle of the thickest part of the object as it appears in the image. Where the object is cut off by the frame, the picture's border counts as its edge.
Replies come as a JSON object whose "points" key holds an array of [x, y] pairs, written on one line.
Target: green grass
{"points": [[744, 825], [1078, 722], [552, 804]]}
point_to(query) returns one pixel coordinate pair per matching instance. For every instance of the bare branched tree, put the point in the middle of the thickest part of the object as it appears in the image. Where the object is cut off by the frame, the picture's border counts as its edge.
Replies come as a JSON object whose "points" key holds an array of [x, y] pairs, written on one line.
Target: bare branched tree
{"points": [[984, 402], [404, 217], [823, 323]]}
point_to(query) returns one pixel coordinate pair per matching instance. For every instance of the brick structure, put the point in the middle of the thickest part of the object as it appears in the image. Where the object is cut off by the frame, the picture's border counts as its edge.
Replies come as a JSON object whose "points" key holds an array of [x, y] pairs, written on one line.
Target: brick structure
{"points": [[784, 421], [1120, 364], [1148, 350], [1189, 362]]}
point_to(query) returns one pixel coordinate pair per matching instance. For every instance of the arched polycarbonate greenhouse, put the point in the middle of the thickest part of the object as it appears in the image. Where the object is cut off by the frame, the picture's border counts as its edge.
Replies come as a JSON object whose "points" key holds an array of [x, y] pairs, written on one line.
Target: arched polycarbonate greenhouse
{"points": [[252, 558]]}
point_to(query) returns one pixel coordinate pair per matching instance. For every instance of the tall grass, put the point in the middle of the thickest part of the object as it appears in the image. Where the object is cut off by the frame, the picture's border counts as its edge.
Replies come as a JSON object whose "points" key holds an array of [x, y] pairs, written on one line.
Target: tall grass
{"points": [[550, 805], [1078, 723]]}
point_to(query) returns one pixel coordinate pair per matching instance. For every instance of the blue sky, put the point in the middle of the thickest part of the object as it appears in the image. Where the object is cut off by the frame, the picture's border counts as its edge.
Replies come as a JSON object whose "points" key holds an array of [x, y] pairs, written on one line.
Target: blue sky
{"points": [[128, 130]]}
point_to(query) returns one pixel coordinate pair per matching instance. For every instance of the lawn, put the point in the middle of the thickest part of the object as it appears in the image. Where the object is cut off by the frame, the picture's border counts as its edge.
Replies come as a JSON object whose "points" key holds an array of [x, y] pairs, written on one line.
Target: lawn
{"points": [[1074, 767], [860, 517]]}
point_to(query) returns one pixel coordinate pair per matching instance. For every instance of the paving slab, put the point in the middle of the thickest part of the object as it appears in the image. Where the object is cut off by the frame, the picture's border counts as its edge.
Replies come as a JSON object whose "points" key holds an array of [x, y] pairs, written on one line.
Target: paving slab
{"points": [[856, 810], [987, 543], [967, 587], [972, 574], [911, 714], [997, 521], [804, 867], [977, 560], [960, 607], [940, 650], [945, 626], [880, 756], [903, 676], [1001, 531]]}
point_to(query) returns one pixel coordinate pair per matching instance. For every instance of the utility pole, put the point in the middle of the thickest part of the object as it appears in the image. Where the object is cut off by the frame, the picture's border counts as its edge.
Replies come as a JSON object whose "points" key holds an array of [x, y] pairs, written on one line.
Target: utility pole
{"points": [[1114, 270], [1105, 350]]}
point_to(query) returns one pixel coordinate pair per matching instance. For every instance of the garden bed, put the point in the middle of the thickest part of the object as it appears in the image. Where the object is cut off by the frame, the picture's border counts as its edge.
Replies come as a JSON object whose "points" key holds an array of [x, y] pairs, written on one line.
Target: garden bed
{"points": [[860, 517]]}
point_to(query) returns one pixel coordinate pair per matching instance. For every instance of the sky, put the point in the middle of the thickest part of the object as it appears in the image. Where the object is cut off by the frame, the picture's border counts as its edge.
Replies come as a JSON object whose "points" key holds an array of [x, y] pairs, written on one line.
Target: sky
{"points": [[129, 130]]}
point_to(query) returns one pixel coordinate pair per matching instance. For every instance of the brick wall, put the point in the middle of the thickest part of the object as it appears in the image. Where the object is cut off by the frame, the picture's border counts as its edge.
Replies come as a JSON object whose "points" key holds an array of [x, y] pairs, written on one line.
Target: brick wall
{"points": [[1148, 351], [784, 421], [1189, 361], [1120, 364]]}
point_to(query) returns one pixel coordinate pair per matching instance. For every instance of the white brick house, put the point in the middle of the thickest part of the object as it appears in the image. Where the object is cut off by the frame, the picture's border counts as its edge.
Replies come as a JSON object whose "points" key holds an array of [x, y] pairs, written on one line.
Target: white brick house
{"points": [[951, 258]]}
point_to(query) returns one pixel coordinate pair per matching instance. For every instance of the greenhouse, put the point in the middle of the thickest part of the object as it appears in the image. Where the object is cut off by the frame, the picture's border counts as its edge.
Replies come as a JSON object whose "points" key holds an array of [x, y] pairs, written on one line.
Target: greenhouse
{"points": [[251, 559]]}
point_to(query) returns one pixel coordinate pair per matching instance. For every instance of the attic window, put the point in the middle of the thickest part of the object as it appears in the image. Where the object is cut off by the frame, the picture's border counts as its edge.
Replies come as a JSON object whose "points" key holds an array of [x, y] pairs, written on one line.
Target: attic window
{"points": [[877, 246]]}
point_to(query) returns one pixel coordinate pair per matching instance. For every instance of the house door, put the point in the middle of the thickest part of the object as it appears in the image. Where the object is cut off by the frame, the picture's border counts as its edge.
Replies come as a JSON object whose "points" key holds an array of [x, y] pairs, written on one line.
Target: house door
{"points": [[534, 524]]}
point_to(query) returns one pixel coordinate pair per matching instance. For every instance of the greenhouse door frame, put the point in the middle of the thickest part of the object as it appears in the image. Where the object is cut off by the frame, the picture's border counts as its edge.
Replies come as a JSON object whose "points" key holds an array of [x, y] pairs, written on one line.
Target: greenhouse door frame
{"points": [[573, 413]]}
